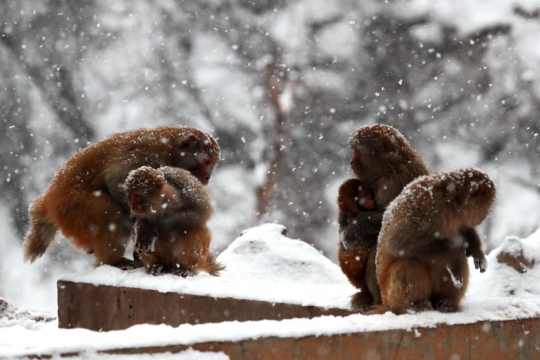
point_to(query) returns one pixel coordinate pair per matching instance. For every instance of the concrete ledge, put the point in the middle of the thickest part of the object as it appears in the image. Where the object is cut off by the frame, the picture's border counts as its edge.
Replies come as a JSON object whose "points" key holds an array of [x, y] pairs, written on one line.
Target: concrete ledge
{"points": [[105, 308]]}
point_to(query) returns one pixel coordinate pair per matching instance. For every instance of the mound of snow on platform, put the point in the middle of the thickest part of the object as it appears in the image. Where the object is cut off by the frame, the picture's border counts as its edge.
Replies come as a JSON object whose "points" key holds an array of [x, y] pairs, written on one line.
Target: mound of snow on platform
{"points": [[264, 252]]}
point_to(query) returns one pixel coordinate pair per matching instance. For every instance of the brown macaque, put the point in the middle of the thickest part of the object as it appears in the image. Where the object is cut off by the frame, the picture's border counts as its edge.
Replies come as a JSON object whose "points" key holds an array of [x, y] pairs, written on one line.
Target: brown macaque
{"points": [[354, 197], [86, 201], [171, 208], [384, 161], [426, 236]]}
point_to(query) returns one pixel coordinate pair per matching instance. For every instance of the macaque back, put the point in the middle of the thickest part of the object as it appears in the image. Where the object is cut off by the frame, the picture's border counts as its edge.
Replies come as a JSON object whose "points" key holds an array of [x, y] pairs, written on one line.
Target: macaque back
{"points": [[427, 233]]}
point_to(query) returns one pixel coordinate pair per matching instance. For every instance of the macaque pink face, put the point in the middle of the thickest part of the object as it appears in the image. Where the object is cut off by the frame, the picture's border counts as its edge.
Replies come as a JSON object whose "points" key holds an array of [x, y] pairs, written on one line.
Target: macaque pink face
{"points": [[365, 200], [206, 166]]}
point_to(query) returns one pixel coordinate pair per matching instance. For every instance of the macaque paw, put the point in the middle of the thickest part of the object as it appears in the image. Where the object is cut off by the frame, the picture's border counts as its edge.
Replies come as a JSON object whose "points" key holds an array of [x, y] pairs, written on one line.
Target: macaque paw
{"points": [[127, 264], [156, 270], [480, 263], [146, 248], [361, 302], [446, 306], [182, 272]]}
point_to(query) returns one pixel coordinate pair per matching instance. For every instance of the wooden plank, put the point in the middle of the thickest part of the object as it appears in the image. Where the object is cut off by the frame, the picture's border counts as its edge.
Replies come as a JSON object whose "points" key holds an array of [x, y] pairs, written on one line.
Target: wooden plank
{"points": [[105, 308]]}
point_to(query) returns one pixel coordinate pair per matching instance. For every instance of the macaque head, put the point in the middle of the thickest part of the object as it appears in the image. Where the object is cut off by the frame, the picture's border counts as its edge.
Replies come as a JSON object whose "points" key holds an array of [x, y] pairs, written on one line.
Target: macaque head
{"points": [[195, 151], [365, 200], [354, 196], [378, 149], [471, 192], [147, 192]]}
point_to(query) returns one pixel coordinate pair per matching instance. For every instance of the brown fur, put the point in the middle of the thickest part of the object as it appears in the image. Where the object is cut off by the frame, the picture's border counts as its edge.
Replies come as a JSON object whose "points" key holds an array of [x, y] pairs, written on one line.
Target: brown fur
{"points": [[353, 195], [171, 208], [425, 239], [384, 161], [85, 200]]}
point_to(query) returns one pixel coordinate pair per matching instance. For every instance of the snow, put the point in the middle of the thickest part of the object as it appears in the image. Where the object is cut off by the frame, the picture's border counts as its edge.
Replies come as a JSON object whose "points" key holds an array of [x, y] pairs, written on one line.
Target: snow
{"points": [[262, 264], [501, 293]]}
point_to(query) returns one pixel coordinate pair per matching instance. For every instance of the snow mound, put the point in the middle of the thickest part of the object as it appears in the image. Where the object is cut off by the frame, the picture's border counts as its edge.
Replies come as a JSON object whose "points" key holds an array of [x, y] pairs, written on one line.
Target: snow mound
{"points": [[513, 272], [264, 252], [11, 316]]}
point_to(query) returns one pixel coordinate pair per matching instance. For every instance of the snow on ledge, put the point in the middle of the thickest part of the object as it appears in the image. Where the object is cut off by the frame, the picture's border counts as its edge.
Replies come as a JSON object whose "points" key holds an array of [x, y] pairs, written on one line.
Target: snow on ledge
{"points": [[262, 264]]}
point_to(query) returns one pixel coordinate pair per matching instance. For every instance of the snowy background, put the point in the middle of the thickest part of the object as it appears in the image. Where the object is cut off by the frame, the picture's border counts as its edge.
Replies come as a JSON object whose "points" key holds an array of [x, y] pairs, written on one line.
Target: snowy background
{"points": [[460, 79]]}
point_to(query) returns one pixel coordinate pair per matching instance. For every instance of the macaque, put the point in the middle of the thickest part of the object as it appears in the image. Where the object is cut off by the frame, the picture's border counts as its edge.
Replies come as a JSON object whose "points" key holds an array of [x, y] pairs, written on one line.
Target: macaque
{"points": [[354, 197], [384, 161], [86, 201], [426, 236], [171, 208]]}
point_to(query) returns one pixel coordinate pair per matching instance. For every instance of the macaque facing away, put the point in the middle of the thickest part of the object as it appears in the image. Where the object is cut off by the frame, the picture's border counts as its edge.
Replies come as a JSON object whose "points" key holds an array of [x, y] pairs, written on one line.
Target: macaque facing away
{"points": [[384, 161], [427, 234], [354, 197], [86, 201], [171, 208]]}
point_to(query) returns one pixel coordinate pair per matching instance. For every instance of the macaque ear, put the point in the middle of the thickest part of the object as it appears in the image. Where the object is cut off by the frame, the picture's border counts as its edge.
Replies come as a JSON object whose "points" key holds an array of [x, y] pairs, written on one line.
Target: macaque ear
{"points": [[449, 190], [387, 144], [343, 208], [191, 141], [479, 190], [169, 193]]}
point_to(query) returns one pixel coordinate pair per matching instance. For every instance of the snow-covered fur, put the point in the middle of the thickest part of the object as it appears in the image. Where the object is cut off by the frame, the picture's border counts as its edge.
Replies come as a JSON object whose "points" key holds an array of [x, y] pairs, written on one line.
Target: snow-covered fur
{"points": [[427, 232], [171, 208]]}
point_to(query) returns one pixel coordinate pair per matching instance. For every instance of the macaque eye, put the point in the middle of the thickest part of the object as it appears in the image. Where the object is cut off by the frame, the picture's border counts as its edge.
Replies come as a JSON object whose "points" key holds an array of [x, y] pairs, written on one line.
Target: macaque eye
{"points": [[207, 161]]}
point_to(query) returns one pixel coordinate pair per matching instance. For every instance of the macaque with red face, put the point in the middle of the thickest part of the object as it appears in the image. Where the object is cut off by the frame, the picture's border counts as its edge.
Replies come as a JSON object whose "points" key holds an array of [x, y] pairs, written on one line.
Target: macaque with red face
{"points": [[86, 201], [171, 208], [426, 236]]}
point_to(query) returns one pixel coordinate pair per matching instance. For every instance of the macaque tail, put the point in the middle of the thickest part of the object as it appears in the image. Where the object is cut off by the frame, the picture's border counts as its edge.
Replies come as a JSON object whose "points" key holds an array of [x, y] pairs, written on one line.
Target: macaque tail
{"points": [[212, 266], [41, 232]]}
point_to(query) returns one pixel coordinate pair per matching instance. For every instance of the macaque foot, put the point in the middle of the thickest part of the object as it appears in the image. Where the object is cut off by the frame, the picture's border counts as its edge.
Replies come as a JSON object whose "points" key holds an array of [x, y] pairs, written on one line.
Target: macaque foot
{"points": [[361, 302], [127, 264], [156, 270], [419, 306], [182, 272], [446, 306]]}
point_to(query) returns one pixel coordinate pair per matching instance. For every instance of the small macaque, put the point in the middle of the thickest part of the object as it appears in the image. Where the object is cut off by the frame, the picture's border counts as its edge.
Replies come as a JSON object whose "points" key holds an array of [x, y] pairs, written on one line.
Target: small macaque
{"points": [[354, 197], [85, 199], [427, 234], [171, 208]]}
